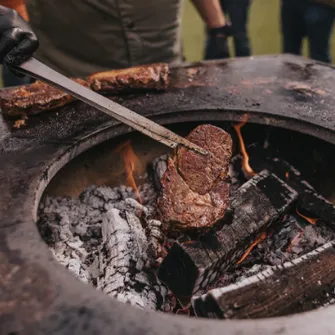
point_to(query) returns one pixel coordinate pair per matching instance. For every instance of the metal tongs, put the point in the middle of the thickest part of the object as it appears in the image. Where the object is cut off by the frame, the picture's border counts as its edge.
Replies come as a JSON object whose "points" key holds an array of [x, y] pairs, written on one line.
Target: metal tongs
{"points": [[40, 71]]}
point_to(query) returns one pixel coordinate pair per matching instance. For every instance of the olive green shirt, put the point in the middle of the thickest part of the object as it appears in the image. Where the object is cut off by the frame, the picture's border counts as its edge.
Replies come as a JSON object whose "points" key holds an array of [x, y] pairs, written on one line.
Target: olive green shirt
{"points": [[80, 37]]}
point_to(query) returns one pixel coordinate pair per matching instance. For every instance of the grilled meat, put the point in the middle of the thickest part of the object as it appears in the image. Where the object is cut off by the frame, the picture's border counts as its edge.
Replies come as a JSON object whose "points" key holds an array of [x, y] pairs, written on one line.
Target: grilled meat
{"points": [[195, 189], [34, 98], [144, 77]]}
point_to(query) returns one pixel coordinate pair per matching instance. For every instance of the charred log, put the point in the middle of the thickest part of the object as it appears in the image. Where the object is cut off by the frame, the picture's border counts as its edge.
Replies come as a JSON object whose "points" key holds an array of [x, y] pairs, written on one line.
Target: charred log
{"points": [[310, 203], [193, 266], [126, 272], [293, 287]]}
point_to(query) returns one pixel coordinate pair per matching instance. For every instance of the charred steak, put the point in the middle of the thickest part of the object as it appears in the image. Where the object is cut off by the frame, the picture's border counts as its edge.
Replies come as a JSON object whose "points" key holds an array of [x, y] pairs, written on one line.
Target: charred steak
{"points": [[34, 98], [195, 189], [144, 77]]}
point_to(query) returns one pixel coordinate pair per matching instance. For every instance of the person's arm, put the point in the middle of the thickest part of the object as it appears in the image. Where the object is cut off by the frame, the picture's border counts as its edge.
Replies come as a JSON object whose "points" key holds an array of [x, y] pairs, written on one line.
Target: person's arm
{"points": [[211, 13], [217, 28], [17, 40]]}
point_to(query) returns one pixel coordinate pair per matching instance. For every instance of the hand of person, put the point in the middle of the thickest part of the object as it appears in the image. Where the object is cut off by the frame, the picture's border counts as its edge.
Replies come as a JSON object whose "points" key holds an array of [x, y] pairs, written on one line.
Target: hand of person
{"points": [[217, 46], [17, 40]]}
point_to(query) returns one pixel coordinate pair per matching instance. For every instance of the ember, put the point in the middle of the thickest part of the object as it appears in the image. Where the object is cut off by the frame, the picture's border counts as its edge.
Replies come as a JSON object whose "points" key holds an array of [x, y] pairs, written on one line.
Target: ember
{"points": [[258, 260]]}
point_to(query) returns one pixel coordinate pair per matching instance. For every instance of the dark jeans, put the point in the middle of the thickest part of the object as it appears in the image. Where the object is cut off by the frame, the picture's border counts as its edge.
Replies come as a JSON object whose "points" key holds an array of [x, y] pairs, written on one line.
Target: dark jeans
{"points": [[238, 11], [300, 18], [9, 79]]}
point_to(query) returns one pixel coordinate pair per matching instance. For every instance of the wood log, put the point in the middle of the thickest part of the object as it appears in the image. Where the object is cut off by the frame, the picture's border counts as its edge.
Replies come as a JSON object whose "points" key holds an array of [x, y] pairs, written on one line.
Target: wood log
{"points": [[309, 203], [125, 258], [193, 266], [293, 287]]}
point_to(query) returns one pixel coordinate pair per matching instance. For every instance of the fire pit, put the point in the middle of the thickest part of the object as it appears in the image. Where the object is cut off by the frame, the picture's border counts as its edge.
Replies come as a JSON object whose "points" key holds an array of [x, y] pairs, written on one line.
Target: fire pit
{"points": [[109, 234]]}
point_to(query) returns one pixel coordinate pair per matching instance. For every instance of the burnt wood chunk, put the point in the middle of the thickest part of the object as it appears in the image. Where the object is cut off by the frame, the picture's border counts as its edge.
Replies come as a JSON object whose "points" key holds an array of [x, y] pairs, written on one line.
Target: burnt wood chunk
{"points": [[310, 203], [125, 258], [196, 189], [194, 266], [143, 77], [281, 290]]}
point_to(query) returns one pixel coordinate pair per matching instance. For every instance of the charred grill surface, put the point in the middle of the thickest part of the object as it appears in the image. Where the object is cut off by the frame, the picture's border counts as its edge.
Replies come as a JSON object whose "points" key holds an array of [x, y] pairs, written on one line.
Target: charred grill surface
{"points": [[192, 267]]}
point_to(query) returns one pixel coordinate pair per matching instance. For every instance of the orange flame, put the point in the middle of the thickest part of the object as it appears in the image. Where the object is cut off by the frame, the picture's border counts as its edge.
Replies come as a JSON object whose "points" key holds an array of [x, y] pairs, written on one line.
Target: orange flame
{"points": [[294, 241], [130, 161], [259, 239], [245, 162], [287, 175], [308, 219]]}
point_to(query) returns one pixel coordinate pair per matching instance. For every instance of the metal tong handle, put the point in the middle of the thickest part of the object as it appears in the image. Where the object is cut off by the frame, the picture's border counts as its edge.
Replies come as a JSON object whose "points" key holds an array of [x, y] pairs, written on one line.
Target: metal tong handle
{"points": [[38, 70]]}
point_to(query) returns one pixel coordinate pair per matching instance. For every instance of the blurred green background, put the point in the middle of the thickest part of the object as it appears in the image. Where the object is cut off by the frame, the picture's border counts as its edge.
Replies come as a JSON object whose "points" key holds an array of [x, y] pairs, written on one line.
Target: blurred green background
{"points": [[264, 30]]}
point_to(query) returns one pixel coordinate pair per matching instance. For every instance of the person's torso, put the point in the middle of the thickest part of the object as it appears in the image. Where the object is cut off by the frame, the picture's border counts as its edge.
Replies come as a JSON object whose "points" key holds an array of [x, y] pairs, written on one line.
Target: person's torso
{"points": [[80, 37]]}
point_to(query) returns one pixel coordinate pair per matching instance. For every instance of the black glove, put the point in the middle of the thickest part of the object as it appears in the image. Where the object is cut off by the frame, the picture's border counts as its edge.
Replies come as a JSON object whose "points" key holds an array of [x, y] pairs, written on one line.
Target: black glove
{"points": [[17, 41], [216, 45]]}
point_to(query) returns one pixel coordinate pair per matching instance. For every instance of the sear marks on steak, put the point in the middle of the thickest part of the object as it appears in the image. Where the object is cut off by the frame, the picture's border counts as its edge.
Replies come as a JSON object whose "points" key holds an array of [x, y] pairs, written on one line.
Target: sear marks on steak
{"points": [[144, 77], [196, 189], [34, 98]]}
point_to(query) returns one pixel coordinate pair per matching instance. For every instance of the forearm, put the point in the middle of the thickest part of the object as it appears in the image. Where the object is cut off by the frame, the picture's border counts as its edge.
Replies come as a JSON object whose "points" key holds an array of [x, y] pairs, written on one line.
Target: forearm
{"points": [[211, 12]]}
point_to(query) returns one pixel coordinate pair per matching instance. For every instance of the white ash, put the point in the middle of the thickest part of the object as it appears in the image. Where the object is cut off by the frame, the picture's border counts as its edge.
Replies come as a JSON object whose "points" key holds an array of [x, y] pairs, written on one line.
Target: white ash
{"points": [[108, 239]]}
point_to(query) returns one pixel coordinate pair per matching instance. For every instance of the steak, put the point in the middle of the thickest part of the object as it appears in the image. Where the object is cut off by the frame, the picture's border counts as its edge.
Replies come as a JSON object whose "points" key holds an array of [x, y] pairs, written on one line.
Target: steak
{"points": [[34, 98], [196, 189], [144, 77]]}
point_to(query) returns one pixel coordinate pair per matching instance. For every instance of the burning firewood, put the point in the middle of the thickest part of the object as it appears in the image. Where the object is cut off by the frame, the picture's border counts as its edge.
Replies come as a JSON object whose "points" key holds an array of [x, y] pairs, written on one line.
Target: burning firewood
{"points": [[196, 189], [192, 267], [280, 290], [127, 259]]}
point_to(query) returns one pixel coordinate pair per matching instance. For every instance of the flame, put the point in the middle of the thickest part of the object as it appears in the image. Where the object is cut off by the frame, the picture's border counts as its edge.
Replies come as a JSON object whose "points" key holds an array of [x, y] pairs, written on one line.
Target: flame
{"points": [[245, 161], [287, 175], [259, 239], [294, 241], [308, 219], [130, 161]]}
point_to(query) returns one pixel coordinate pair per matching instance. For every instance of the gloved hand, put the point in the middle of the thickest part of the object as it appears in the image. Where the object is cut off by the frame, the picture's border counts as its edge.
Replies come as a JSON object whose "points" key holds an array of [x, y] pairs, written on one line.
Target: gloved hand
{"points": [[17, 40], [216, 44]]}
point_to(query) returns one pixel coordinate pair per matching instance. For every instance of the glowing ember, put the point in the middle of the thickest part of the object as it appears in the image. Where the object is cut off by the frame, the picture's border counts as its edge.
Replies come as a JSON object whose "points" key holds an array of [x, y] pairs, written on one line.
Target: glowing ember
{"points": [[308, 219], [294, 241], [259, 239], [245, 162], [130, 161]]}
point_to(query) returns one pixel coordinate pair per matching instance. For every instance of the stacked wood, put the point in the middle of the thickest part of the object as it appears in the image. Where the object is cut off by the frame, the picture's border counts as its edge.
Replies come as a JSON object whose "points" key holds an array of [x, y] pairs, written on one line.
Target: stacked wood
{"points": [[293, 287], [193, 266]]}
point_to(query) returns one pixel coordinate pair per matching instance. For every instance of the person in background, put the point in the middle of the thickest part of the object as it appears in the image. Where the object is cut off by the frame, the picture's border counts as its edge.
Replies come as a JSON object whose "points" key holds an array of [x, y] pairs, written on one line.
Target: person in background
{"points": [[311, 18], [78, 38], [8, 78], [238, 13]]}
